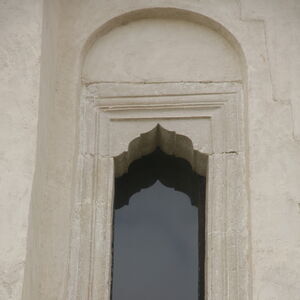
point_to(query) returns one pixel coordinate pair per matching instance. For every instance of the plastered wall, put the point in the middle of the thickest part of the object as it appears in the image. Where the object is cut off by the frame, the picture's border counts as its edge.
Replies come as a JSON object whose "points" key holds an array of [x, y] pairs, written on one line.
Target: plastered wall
{"points": [[20, 51], [39, 108]]}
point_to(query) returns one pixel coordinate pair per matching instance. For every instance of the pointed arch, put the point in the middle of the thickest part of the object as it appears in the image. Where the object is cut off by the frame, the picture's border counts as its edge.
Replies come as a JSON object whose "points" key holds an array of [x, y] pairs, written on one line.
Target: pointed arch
{"points": [[169, 142]]}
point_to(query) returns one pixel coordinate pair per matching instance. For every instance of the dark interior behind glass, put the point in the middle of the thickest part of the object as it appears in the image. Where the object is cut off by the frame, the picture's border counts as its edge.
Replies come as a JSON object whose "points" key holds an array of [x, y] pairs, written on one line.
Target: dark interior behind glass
{"points": [[159, 231]]}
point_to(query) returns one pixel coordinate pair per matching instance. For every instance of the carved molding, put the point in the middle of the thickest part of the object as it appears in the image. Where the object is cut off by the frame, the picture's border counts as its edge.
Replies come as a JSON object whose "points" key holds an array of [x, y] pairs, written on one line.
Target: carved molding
{"points": [[177, 107], [209, 118]]}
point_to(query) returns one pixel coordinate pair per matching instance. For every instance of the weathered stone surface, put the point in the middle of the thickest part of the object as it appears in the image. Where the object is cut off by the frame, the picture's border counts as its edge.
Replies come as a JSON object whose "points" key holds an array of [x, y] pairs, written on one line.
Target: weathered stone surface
{"points": [[51, 75]]}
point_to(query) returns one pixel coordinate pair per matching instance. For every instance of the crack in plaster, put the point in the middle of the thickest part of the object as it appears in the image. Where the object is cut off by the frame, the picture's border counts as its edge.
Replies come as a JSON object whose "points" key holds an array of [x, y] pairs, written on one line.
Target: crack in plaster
{"points": [[89, 83]]}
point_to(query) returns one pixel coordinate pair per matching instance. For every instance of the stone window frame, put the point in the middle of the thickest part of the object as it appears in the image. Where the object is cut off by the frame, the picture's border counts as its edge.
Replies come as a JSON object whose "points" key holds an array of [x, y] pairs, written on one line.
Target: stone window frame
{"points": [[105, 108]]}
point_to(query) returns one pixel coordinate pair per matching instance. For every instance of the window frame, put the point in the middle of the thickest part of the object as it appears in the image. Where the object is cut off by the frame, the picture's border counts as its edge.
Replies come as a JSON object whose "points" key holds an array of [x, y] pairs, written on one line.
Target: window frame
{"points": [[219, 104]]}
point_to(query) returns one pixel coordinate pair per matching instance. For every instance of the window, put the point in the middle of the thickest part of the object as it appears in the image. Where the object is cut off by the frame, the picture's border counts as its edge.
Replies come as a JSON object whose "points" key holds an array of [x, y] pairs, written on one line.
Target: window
{"points": [[120, 126], [159, 231]]}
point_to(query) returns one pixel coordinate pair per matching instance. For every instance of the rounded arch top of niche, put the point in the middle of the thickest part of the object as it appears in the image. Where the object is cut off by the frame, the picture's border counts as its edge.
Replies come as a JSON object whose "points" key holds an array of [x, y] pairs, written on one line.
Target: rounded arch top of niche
{"points": [[161, 48], [183, 71]]}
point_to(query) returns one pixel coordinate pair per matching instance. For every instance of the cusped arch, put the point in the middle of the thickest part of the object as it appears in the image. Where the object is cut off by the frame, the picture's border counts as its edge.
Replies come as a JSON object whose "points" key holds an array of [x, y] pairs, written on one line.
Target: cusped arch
{"points": [[171, 171], [169, 142]]}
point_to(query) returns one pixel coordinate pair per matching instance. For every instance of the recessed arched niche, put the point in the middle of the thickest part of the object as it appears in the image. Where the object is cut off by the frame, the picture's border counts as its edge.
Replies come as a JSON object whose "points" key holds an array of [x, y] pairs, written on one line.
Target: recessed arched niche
{"points": [[161, 49], [170, 79]]}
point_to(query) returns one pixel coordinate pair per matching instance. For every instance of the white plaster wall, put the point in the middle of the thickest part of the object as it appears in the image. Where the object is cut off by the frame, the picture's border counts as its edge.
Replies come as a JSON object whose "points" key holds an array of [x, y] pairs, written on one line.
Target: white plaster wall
{"points": [[273, 134], [40, 255], [281, 20], [275, 155], [20, 50], [161, 50]]}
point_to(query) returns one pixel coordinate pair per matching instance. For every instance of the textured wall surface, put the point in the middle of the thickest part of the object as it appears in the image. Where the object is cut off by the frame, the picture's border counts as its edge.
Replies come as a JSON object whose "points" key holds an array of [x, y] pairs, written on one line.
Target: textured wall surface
{"points": [[275, 155], [161, 47], [20, 50], [268, 31]]}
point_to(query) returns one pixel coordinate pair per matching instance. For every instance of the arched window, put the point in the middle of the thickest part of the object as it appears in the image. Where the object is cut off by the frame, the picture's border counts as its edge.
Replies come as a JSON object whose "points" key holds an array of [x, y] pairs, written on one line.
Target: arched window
{"points": [[173, 79], [159, 230]]}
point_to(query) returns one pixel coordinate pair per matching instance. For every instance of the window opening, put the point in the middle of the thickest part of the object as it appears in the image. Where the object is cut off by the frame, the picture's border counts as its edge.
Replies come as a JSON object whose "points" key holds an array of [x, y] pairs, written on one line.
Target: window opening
{"points": [[159, 231]]}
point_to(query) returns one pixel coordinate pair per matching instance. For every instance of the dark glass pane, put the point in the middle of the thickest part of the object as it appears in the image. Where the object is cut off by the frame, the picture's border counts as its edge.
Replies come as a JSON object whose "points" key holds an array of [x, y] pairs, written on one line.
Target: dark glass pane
{"points": [[158, 249]]}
